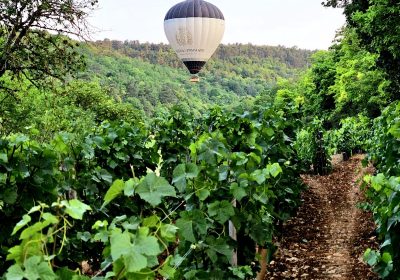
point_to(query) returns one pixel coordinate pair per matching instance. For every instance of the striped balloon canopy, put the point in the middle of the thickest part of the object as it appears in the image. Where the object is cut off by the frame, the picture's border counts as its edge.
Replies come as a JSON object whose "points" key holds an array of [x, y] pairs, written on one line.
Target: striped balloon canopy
{"points": [[194, 29]]}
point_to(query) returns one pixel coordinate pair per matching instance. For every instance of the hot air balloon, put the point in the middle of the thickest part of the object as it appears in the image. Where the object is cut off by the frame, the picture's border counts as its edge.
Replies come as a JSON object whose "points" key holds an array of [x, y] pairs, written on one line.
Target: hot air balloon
{"points": [[194, 29]]}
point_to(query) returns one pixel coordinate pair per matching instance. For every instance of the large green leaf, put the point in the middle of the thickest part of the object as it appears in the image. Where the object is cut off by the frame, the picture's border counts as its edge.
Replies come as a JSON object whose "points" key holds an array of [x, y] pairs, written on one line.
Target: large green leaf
{"points": [[134, 260], [185, 229], [114, 191], [167, 271], [25, 220], [371, 257], [15, 272], [34, 229], [75, 208], [168, 232], [378, 181], [129, 188], [102, 174], [120, 244], [36, 269], [153, 188], [260, 175], [183, 172], [147, 245], [237, 191], [135, 254], [218, 246], [274, 169], [45, 272], [221, 210]]}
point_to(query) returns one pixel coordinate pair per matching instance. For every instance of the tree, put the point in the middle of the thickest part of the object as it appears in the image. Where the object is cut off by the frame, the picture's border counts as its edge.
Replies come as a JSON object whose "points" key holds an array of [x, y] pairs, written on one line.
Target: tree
{"points": [[360, 86], [32, 37], [376, 22]]}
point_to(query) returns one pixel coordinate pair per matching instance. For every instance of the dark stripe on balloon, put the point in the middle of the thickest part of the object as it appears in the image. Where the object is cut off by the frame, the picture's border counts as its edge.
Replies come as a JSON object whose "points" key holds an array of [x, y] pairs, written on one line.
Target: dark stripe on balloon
{"points": [[194, 67], [194, 8]]}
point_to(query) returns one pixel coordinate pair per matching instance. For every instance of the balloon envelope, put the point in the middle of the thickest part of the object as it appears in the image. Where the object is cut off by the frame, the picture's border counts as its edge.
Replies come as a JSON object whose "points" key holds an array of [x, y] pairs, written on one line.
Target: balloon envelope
{"points": [[194, 29]]}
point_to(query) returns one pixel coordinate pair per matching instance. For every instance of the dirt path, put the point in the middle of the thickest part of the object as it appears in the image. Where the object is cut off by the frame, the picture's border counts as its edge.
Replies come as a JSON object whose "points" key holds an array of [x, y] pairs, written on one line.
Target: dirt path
{"points": [[328, 236]]}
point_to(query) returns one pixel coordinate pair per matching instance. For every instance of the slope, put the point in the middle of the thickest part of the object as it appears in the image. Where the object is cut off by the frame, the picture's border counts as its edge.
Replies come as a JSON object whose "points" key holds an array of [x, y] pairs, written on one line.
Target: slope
{"points": [[150, 76]]}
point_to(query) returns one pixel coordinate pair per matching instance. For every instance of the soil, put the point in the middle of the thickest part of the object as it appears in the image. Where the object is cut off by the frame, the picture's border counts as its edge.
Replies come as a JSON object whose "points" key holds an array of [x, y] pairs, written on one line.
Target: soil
{"points": [[328, 236]]}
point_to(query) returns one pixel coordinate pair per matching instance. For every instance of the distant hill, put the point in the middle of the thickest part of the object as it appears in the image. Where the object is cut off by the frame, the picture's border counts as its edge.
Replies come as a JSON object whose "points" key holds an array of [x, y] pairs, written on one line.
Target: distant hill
{"points": [[150, 76]]}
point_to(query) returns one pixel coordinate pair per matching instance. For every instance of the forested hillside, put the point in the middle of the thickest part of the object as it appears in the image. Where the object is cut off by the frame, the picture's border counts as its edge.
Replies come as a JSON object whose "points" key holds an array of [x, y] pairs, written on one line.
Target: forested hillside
{"points": [[151, 77]]}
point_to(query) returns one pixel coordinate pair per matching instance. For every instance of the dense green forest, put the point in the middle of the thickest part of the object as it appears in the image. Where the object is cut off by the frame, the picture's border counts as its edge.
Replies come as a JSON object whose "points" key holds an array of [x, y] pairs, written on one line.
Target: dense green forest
{"points": [[151, 77], [110, 157]]}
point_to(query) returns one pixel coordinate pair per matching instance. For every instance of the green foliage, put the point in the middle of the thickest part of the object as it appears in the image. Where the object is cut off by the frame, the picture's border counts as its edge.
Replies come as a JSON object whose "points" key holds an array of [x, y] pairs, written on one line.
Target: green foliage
{"points": [[359, 85], [132, 72], [354, 85], [75, 107], [351, 137], [27, 49], [312, 149], [152, 188], [344, 82], [373, 22], [384, 144], [177, 213], [43, 240], [28, 173], [375, 26], [384, 193], [305, 147], [227, 157]]}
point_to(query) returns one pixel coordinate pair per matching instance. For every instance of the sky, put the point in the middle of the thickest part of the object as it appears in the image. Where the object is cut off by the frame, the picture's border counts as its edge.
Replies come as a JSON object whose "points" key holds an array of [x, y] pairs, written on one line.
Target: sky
{"points": [[302, 23]]}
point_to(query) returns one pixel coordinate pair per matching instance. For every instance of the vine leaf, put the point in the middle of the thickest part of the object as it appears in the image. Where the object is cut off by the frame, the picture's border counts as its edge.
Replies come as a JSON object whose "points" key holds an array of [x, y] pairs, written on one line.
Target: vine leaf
{"points": [[3, 178], [168, 232], [237, 191], [147, 245], [221, 210], [10, 196], [120, 244], [34, 269], [274, 169], [129, 188], [25, 220], [183, 172], [134, 260], [135, 255], [153, 188], [114, 191], [15, 272], [75, 208], [260, 175], [185, 226]]}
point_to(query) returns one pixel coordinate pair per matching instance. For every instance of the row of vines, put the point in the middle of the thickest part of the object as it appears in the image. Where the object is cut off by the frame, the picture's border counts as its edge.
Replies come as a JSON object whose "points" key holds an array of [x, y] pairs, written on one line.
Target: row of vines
{"points": [[181, 199], [383, 191]]}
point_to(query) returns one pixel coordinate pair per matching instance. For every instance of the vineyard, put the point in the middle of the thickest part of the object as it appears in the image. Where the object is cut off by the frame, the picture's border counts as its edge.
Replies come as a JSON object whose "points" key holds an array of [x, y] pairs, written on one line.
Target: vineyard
{"points": [[157, 202], [113, 166]]}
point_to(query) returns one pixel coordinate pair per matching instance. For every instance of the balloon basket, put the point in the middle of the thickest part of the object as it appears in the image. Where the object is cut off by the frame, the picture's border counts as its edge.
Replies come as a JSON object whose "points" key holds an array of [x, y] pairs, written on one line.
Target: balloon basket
{"points": [[194, 79]]}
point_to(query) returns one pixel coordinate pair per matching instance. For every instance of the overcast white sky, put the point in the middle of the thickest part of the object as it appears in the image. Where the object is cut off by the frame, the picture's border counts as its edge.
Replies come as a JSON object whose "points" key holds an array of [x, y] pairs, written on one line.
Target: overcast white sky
{"points": [[302, 23]]}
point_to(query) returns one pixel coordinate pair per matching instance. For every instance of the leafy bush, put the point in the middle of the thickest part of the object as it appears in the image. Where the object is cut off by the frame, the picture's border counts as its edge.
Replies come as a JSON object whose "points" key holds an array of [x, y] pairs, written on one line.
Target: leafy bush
{"points": [[384, 192], [351, 137], [312, 149], [384, 144]]}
